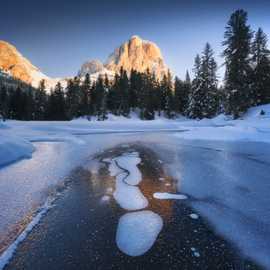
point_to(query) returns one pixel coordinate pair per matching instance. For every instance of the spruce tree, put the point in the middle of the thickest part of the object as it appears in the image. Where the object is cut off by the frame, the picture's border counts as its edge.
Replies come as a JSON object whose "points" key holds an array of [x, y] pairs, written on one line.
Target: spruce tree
{"points": [[56, 104], [4, 100], [86, 96], [237, 80], [124, 93], [210, 102], [181, 94], [40, 101], [100, 99], [194, 109], [261, 72], [134, 89], [73, 98], [167, 95], [147, 107]]}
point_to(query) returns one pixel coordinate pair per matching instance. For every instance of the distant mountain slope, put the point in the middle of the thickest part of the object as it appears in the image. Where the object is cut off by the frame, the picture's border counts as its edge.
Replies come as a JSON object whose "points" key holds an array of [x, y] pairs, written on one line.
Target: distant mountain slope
{"points": [[13, 63], [136, 54]]}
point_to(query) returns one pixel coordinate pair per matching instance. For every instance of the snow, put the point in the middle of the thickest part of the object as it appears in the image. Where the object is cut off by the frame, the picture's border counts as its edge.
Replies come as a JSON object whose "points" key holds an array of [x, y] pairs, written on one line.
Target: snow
{"points": [[13, 148], [169, 196], [137, 232]]}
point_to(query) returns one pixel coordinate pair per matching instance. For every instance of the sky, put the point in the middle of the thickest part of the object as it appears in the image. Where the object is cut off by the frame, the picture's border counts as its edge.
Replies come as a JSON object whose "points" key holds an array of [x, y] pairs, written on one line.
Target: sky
{"points": [[59, 36]]}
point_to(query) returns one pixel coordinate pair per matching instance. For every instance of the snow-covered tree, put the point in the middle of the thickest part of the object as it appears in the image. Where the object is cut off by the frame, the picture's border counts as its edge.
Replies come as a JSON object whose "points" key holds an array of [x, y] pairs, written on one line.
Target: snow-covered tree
{"points": [[203, 99], [237, 51], [261, 72]]}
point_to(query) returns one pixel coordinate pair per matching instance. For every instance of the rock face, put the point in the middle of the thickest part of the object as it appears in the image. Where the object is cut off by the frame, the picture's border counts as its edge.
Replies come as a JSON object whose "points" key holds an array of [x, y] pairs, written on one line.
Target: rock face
{"points": [[90, 67], [13, 63], [17, 66], [137, 54]]}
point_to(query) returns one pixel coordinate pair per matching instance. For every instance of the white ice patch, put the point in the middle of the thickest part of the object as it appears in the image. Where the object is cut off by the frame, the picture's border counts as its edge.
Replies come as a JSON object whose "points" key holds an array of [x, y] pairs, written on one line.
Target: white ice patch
{"points": [[128, 197], [129, 162], [194, 216], [169, 196], [105, 198], [137, 232]]}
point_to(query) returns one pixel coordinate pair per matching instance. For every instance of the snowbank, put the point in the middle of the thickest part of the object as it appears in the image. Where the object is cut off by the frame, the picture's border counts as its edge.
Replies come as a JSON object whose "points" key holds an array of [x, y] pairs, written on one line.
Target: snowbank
{"points": [[13, 149]]}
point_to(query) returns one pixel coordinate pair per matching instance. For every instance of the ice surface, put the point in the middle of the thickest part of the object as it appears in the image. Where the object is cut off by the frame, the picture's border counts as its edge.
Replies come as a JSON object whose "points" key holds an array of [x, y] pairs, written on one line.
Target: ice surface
{"points": [[8, 253], [229, 182], [137, 232], [168, 196], [228, 177]]}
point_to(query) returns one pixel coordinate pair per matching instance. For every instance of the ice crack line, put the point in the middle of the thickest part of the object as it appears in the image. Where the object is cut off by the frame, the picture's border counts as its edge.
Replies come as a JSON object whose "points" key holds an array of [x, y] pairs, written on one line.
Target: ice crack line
{"points": [[136, 231]]}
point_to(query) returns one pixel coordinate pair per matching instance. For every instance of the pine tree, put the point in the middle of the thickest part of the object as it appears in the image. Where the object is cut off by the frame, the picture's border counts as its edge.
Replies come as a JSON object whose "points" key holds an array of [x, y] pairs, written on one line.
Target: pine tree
{"points": [[134, 89], [56, 104], [203, 101], [210, 101], [86, 97], [187, 80], [124, 93], [194, 109], [166, 84], [100, 99], [181, 94], [17, 104], [147, 107], [261, 72], [237, 81], [40, 101], [73, 96], [4, 100]]}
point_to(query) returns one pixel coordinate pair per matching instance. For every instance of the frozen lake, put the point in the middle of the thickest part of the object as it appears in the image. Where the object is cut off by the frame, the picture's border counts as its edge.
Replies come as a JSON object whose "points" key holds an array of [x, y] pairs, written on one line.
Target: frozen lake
{"points": [[226, 184]]}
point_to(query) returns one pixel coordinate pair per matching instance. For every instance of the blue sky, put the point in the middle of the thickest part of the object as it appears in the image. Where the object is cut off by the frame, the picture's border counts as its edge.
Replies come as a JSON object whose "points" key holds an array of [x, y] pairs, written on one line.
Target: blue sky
{"points": [[58, 36]]}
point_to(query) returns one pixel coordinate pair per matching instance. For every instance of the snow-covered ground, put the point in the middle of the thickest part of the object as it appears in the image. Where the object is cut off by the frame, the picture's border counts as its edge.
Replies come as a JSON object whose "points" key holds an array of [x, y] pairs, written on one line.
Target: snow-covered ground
{"points": [[16, 136], [220, 162]]}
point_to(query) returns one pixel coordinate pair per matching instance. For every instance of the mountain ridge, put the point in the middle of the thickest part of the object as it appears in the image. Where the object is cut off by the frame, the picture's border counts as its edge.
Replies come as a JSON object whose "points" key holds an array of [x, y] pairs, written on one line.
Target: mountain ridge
{"points": [[135, 53]]}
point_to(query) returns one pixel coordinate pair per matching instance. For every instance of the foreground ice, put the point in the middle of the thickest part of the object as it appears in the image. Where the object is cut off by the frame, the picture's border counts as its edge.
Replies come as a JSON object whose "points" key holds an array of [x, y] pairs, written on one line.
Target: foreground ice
{"points": [[137, 232], [6, 256], [228, 183], [227, 178], [127, 195]]}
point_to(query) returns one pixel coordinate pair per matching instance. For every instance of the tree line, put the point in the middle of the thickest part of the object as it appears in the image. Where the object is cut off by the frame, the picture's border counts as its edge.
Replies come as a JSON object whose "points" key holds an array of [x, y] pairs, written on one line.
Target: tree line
{"points": [[246, 84]]}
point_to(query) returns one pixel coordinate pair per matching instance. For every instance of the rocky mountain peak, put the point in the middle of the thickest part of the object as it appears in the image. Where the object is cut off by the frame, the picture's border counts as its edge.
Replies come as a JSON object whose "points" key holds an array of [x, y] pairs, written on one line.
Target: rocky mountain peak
{"points": [[90, 67], [137, 54]]}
